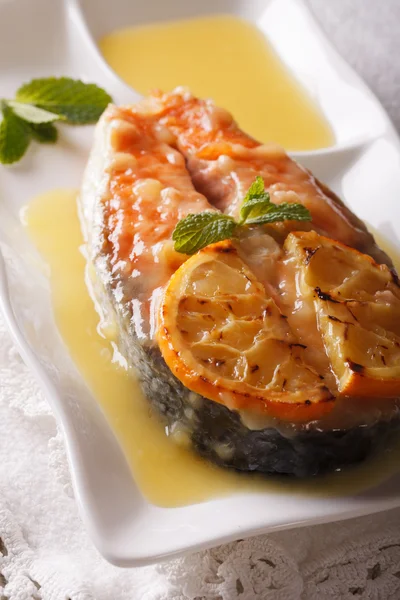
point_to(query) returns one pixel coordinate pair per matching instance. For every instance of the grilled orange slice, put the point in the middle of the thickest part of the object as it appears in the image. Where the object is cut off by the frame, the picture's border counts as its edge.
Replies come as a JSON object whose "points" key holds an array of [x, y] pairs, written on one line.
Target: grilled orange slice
{"points": [[357, 303], [223, 338]]}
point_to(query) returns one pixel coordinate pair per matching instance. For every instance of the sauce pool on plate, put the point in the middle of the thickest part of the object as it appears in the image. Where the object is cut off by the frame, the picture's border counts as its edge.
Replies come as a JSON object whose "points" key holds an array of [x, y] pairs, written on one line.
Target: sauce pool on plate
{"points": [[168, 474], [229, 60]]}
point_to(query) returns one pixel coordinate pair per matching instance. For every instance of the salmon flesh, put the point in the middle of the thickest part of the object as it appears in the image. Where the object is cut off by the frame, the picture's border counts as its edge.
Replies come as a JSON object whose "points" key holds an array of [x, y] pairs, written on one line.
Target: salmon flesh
{"points": [[154, 163]]}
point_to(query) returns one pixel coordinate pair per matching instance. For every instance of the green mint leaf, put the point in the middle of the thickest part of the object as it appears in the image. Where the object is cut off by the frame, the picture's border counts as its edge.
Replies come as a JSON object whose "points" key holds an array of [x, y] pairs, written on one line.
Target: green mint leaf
{"points": [[257, 208], [255, 190], [281, 212], [195, 232], [80, 103], [255, 202], [14, 137], [254, 207], [44, 133], [32, 114]]}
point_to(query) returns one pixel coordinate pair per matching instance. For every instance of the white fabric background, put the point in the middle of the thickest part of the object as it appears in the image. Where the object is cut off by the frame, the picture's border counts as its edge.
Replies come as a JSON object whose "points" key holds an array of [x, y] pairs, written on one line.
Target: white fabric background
{"points": [[366, 33], [44, 551]]}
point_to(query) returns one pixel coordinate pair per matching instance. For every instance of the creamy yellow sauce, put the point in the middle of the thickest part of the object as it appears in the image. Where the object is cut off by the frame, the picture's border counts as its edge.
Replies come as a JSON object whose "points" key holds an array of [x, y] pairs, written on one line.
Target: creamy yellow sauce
{"points": [[167, 474], [229, 60], [388, 247]]}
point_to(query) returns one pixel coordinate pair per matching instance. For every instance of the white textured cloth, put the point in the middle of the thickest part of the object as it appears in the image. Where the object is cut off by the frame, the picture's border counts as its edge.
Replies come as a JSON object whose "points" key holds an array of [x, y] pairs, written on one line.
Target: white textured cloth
{"points": [[45, 553], [366, 33]]}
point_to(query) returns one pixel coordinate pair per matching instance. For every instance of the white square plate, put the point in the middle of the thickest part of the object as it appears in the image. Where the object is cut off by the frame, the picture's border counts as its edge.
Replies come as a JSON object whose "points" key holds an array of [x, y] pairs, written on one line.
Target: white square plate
{"points": [[52, 38]]}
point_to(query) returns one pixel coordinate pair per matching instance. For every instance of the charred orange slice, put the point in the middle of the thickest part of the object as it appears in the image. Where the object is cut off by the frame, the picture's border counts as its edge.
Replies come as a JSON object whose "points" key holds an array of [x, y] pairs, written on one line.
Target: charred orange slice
{"points": [[357, 304], [223, 338]]}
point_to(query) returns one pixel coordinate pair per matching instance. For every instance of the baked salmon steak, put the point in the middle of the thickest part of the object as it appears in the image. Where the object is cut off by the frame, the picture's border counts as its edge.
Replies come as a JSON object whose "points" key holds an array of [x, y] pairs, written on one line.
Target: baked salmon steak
{"points": [[260, 316]]}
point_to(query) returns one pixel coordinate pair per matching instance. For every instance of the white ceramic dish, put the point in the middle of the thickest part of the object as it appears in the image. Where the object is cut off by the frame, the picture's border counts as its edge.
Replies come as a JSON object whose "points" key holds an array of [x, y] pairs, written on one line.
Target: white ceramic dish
{"points": [[364, 168]]}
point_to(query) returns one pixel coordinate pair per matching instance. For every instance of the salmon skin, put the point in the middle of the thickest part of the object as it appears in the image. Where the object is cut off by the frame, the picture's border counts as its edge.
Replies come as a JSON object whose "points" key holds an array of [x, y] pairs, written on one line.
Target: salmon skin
{"points": [[152, 164]]}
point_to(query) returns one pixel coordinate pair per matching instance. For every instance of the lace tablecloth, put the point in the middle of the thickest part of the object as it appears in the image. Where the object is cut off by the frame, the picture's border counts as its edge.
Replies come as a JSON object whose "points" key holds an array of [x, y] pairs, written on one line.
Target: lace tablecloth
{"points": [[45, 553]]}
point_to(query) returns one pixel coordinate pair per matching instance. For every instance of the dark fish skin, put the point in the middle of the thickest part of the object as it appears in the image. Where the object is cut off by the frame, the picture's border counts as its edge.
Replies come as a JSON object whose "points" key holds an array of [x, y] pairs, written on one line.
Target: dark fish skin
{"points": [[305, 451]]}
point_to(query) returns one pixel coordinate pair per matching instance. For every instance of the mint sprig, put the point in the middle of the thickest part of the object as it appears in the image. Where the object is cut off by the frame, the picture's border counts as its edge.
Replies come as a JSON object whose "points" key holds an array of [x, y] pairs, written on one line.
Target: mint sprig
{"points": [[14, 137], [77, 102], [38, 105], [196, 231], [32, 114], [44, 133], [205, 228]]}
